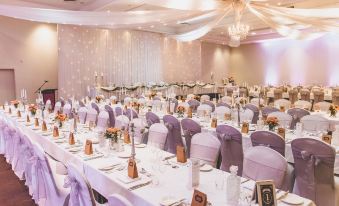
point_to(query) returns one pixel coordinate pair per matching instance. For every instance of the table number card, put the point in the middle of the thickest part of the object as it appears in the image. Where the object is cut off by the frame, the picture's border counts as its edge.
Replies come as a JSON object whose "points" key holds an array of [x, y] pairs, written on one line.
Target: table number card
{"points": [[19, 113], [132, 169], [27, 119], [245, 128], [71, 139], [282, 109], [264, 193], [127, 138], [88, 147], [227, 116], [327, 138], [181, 154], [281, 132], [199, 198], [44, 126], [55, 132], [36, 122], [214, 123], [189, 112]]}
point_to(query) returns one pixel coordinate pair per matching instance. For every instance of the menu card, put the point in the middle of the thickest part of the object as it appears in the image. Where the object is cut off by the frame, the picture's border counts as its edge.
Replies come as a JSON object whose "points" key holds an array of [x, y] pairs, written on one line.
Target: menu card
{"points": [[88, 147], [214, 123], [194, 173], [132, 169], [181, 154], [19, 113], [27, 119], [55, 132], [227, 116], [245, 128], [44, 126], [71, 139], [281, 132], [127, 138], [327, 138], [199, 198], [9, 110], [189, 112], [36, 122]]}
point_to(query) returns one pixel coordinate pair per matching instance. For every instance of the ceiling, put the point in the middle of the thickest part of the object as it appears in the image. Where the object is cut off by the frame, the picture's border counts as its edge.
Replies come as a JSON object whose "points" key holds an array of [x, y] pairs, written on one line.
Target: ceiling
{"points": [[259, 31]]}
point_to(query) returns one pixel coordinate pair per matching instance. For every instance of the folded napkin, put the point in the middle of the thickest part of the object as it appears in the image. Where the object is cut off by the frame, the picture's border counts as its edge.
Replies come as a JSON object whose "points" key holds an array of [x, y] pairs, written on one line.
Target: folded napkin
{"points": [[103, 164], [90, 157]]}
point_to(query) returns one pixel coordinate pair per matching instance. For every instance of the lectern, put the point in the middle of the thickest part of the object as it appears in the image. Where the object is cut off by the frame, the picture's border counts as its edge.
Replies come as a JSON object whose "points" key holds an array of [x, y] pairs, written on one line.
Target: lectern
{"points": [[49, 94]]}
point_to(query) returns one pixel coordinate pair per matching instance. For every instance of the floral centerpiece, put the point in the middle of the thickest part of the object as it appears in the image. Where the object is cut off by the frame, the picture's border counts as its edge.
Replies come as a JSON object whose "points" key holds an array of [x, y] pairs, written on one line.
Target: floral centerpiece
{"points": [[231, 80], [181, 111], [98, 98], [333, 110], [15, 103], [32, 108], [60, 118], [112, 134], [272, 122]]}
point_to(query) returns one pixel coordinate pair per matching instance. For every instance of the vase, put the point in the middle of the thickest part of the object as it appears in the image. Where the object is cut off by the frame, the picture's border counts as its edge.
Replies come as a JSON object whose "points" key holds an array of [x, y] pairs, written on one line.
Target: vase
{"points": [[113, 145]]}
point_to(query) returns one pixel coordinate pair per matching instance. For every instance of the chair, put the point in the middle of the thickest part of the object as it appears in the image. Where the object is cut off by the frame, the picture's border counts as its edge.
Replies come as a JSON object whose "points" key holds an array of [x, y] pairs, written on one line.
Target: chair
{"points": [[267, 110], [118, 200], [335, 97], [255, 111], [131, 113], [139, 127], [246, 115], [303, 104], [157, 135], [82, 114], [46, 184], [305, 95], [190, 128], [122, 122], [211, 104], [318, 96], [255, 101], [314, 166], [152, 118], [190, 97], [118, 111], [205, 147], [293, 95], [296, 115], [174, 134], [229, 91], [103, 120], [283, 118], [57, 107], [111, 115], [127, 100], [221, 111], [322, 106], [227, 99], [231, 147], [91, 115], [277, 94], [173, 104], [223, 104], [96, 107], [204, 98], [268, 139], [243, 92], [313, 123], [184, 104], [203, 108], [81, 192], [270, 166], [282, 103], [194, 104], [67, 110]]}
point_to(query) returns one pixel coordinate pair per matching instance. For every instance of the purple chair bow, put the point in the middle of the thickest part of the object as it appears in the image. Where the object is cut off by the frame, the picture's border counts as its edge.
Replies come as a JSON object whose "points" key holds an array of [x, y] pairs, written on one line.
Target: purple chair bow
{"points": [[128, 113], [297, 114], [96, 107], [174, 134], [255, 111], [223, 104], [152, 118], [118, 111], [269, 139], [194, 104], [190, 128], [267, 110], [314, 165], [231, 148], [111, 115]]}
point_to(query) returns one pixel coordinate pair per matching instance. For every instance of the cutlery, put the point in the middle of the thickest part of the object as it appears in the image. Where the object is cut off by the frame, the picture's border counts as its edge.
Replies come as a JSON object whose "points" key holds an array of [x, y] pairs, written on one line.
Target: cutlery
{"points": [[139, 185], [283, 195], [246, 180], [177, 202], [169, 157]]}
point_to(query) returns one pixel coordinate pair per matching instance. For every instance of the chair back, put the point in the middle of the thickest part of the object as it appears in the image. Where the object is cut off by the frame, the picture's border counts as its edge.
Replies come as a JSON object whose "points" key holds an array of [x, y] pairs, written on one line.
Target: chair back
{"points": [[139, 127], [174, 134], [194, 104], [190, 128], [103, 120], [231, 148], [203, 108], [127, 100], [296, 115], [157, 135], [313, 123], [246, 115], [111, 115], [118, 111], [221, 111], [277, 93], [314, 166], [82, 114], [211, 104], [96, 107], [152, 118], [91, 115], [57, 107], [282, 103], [305, 95], [205, 147], [293, 95], [268, 139], [67, 110], [283, 118], [81, 192], [270, 166], [243, 92], [267, 110], [318, 96], [322, 106], [302, 104], [122, 122], [131, 113], [204, 98], [335, 97], [255, 111], [227, 99], [255, 101], [223, 104]]}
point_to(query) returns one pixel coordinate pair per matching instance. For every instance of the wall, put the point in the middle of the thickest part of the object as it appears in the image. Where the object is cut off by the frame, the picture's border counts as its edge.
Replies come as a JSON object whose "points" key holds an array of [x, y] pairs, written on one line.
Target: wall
{"points": [[31, 50], [288, 61], [123, 57]]}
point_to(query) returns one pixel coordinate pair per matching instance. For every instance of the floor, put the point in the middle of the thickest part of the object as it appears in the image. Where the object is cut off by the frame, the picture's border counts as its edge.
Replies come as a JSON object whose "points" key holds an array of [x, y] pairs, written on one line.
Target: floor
{"points": [[13, 191]]}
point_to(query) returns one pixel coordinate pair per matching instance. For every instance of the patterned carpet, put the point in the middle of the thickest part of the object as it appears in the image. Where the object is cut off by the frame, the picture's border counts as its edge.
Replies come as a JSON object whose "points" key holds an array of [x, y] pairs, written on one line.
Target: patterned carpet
{"points": [[13, 191]]}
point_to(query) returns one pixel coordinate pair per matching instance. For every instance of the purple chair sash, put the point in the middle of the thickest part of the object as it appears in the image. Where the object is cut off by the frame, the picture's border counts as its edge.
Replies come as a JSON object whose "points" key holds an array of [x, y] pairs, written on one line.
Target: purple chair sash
{"points": [[255, 111], [152, 118], [190, 128], [268, 139], [111, 115], [297, 114], [174, 134]]}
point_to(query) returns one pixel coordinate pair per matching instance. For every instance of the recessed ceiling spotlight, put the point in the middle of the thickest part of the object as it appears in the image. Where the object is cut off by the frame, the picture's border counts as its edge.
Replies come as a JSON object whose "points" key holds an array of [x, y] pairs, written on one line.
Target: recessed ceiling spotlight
{"points": [[279, 3]]}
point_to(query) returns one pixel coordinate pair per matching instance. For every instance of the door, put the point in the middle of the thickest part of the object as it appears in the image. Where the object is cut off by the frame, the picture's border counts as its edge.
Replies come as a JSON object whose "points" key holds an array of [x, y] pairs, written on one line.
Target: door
{"points": [[7, 85]]}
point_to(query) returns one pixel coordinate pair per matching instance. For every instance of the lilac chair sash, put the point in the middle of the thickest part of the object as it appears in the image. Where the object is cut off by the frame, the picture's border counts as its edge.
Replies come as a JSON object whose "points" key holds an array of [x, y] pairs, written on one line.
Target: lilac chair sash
{"points": [[194, 104], [128, 113], [174, 134], [314, 165], [82, 114], [297, 114], [268, 139], [96, 107], [267, 110], [152, 118], [111, 115], [211, 104], [255, 111], [231, 147], [118, 111], [190, 128], [223, 104]]}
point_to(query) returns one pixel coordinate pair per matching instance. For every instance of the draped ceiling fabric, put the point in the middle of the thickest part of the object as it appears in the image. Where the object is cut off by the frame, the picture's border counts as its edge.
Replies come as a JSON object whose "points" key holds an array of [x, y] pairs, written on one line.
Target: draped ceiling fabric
{"points": [[289, 22], [124, 57]]}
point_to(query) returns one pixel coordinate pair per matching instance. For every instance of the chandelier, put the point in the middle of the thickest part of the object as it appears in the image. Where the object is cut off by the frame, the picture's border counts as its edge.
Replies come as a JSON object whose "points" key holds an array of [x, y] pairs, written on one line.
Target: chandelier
{"points": [[238, 31]]}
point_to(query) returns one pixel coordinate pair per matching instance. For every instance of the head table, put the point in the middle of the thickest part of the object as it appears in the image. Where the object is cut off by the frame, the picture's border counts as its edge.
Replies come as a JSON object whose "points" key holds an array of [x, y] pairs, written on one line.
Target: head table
{"points": [[161, 176]]}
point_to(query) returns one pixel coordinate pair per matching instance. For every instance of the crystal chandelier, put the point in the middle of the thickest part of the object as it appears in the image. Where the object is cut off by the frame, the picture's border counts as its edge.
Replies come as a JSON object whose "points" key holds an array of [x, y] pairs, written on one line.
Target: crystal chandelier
{"points": [[238, 31]]}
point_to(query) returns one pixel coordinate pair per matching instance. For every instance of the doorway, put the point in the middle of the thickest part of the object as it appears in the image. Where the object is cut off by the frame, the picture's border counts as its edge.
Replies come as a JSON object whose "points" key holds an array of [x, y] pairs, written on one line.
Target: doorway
{"points": [[7, 85]]}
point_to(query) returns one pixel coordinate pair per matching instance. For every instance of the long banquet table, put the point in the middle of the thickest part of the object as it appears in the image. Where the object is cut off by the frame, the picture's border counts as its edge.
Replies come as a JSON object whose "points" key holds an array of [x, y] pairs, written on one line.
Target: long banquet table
{"points": [[172, 178]]}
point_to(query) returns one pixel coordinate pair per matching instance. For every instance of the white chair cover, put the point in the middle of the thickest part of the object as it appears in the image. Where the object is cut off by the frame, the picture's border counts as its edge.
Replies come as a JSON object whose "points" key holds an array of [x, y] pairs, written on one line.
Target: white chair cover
{"points": [[221, 111], [118, 200], [202, 108], [246, 115], [315, 123], [255, 101], [302, 104], [91, 115], [190, 97], [127, 100], [67, 109], [139, 125], [227, 100], [205, 147], [82, 114], [57, 107], [122, 121], [157, 135], [184, 104], [282, 103], [204, 98], [103, 119], [156, 105], [323, 106], [283, 118]]}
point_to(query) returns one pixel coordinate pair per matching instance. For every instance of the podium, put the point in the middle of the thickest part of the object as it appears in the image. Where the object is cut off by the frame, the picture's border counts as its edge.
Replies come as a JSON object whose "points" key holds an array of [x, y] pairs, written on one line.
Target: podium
{"points": [[49, 94]]}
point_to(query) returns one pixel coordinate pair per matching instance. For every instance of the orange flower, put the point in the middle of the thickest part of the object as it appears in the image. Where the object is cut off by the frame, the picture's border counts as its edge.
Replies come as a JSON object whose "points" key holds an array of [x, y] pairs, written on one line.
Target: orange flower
{"points": [[14, 102], [181, 109], [61, 117], [272, 121]]}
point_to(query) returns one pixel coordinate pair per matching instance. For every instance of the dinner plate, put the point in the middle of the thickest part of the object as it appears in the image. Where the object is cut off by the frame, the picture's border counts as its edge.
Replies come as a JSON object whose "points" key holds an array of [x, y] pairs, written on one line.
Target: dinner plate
{"points": [[29, 123], [124, 155], [293, 199], [206, 168], [75, 149], [35, 128], [168, 200], [59, 141], [46, 133], [140, 145]]}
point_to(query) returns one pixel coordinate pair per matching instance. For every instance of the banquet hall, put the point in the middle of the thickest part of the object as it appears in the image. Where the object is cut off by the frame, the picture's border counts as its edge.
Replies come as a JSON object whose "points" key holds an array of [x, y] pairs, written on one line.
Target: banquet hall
{"points": [[169, 102]]}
